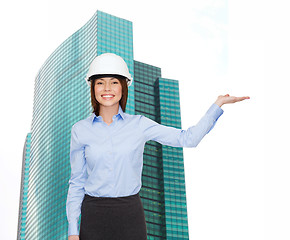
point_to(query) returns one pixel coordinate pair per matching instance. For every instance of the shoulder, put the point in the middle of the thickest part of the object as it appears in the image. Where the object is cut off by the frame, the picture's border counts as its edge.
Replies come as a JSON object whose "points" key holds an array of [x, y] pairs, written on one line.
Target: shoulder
{"points": [[83, 123], [137, 118], [143, 121], [134, 119]]}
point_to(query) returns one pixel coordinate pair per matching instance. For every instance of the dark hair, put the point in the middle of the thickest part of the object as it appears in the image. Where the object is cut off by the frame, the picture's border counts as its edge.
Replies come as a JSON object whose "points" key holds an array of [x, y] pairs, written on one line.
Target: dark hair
{"points": [[123, 100]]}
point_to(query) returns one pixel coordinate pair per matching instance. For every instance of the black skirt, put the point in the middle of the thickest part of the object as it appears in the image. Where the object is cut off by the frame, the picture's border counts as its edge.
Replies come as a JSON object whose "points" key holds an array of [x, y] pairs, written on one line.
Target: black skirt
{"points": [[117, 218]]}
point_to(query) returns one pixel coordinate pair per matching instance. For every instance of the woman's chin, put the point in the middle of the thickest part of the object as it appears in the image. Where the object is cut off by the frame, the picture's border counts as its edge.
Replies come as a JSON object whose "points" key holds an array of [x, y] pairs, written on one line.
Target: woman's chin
{"points": [[108, 103]]}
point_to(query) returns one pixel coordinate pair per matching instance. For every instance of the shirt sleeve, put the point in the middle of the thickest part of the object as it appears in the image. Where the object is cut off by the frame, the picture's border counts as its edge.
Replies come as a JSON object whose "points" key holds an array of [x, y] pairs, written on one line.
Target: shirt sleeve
{"points": [[77, 181], [177, 137]]}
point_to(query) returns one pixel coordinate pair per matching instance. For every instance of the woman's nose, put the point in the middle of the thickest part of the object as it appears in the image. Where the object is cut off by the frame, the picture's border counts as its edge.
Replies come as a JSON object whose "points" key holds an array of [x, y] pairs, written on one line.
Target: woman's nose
{"points": [[108, 85]]}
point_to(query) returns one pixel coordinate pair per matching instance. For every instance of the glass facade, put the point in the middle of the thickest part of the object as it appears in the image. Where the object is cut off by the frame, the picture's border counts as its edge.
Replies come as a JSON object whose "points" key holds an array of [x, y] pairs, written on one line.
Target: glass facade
{"points": [[24, 188], [163, 183], [152, 191], [61, 98], [173, 165]]}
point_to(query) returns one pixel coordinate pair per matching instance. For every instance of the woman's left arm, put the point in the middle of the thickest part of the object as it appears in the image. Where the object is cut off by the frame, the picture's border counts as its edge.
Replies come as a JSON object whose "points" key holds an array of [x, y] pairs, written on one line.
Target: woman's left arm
{"points": [[191, 137]]}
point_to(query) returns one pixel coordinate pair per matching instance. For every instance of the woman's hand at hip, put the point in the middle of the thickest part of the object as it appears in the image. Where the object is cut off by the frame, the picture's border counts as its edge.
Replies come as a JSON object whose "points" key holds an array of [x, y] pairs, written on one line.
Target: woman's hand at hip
{"points": [[73, 237]]}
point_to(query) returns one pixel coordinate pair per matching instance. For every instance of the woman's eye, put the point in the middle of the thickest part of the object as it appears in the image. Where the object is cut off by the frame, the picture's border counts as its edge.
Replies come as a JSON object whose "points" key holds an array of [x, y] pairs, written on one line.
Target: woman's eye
{"points": [[102, 83]]}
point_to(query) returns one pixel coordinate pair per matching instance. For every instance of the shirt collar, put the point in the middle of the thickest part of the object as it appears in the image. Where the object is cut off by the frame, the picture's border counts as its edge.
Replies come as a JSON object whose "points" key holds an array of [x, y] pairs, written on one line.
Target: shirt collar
{"points": [[98, 118]]}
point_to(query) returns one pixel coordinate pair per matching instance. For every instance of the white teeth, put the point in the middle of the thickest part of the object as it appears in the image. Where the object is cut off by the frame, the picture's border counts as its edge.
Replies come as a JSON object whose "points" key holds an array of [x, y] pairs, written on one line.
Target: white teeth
{"points": [[108, 96]]}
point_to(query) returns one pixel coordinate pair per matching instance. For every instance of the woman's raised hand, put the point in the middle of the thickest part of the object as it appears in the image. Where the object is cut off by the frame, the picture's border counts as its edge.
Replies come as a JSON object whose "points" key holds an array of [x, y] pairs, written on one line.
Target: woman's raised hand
{"points": [[73, 237], [224, 99]]}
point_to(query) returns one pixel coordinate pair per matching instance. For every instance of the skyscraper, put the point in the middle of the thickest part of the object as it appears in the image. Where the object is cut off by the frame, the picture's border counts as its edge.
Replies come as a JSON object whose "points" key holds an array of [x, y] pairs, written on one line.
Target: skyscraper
{"points": [[24, 188], [61, 98], [163, 182]]}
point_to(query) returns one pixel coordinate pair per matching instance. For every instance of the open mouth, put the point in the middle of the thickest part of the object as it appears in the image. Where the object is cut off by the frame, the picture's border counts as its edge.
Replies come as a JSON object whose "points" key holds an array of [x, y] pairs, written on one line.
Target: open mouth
{"points": [[108, 96]]}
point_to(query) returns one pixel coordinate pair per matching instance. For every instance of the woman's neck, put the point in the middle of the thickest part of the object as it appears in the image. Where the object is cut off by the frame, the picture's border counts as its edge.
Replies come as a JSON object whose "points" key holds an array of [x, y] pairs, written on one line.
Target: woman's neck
{"points": [[107, 112]]}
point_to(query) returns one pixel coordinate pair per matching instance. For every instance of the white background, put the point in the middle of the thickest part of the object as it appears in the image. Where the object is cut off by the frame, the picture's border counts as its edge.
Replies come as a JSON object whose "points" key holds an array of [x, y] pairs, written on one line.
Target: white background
{"points": [[237, 179]]}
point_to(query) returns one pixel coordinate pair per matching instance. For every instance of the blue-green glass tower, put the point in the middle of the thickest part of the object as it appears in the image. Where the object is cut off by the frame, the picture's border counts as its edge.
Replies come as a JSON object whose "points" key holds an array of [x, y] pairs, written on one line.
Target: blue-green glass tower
{"points": [[24, 188], [61, 98], [173, 165], [163, 183]]}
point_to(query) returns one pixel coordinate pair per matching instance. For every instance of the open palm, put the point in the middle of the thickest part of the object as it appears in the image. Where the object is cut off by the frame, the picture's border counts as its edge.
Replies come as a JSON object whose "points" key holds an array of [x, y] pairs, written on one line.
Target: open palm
{"points": [[224, 99]]}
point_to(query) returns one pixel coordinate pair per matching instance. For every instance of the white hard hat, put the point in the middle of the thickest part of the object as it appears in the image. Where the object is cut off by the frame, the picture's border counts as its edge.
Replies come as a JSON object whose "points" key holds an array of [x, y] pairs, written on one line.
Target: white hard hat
{"points": [[109, 63]]}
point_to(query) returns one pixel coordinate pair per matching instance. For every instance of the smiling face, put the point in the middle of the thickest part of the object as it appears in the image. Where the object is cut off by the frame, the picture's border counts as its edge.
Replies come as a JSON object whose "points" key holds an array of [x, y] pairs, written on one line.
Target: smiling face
{"points": [[108, 91]]}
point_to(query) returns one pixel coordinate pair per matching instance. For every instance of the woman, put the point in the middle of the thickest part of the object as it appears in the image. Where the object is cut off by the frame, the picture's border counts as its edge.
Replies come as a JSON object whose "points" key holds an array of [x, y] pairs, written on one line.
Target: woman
{"points": [[106, 155]]}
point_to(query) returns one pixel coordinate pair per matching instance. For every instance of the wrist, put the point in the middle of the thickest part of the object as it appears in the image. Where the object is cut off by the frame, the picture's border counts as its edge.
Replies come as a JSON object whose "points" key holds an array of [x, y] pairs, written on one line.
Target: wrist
{"points": [[219, 103]]}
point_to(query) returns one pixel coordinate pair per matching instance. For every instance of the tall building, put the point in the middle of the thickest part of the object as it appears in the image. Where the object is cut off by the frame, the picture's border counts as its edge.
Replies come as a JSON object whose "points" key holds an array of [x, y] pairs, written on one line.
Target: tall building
{"points": [[61, 98], [24, 188], [163, 183]]}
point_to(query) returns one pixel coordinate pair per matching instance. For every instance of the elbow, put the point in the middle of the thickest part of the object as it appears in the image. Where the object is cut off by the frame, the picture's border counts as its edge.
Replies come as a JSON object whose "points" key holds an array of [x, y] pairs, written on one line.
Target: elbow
{"points": [[78, 181], [188, 143], [194, 142], [191, 144], [194, 145]]}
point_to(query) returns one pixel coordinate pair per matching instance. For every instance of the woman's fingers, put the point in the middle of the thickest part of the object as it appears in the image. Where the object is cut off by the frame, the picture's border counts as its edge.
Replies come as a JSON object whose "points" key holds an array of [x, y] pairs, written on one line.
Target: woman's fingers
{"points": [[233, 99]]}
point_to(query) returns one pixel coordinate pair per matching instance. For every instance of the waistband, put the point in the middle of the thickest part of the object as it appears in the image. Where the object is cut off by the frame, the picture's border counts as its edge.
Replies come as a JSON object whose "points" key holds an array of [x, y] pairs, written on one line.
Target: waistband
{"points": [[131, 199]]}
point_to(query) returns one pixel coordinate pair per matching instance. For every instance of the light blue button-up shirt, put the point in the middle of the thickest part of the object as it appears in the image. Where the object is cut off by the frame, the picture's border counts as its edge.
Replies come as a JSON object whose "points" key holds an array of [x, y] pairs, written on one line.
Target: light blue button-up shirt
{"points": [[107, 160]]}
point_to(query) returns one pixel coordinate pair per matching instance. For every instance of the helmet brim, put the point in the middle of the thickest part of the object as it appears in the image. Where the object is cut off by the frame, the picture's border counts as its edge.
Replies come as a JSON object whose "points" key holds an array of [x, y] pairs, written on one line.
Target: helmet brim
{"points": [[88, 79]]}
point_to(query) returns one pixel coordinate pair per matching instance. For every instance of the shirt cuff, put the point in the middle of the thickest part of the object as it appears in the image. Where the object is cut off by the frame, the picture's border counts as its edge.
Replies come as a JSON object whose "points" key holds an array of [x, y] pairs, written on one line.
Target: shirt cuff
{"points": [[215, 111], [73, 229]]}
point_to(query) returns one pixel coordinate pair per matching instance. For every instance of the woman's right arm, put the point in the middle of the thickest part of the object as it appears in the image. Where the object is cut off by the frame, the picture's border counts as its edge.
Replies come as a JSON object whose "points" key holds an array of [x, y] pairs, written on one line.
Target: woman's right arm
{"points": [[77, 181]]}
